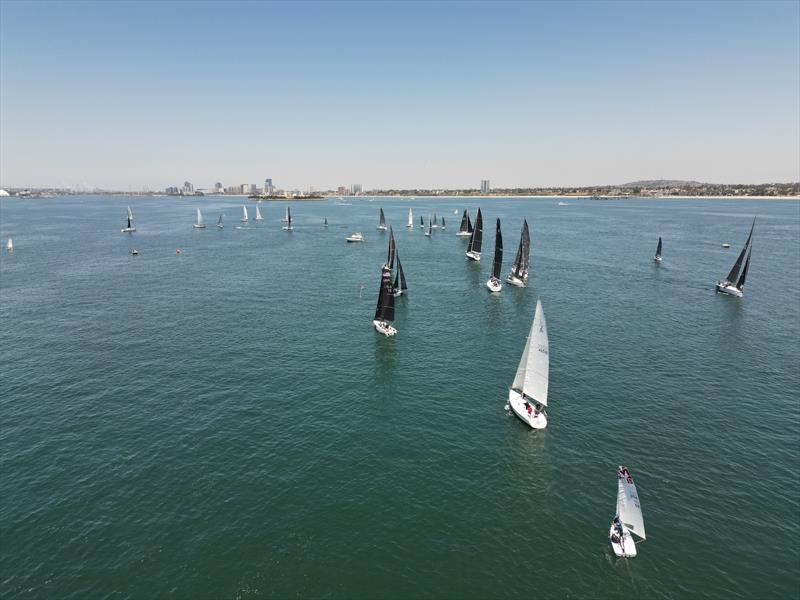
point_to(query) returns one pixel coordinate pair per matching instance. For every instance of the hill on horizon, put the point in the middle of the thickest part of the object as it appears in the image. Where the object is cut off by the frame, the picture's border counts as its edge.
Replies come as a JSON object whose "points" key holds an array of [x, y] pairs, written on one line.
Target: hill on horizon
{"points": [[660, 183]]}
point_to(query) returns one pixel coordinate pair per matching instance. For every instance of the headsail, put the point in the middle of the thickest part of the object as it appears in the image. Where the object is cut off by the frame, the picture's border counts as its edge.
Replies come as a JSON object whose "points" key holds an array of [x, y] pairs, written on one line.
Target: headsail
{"points": [[244, 214], [738, 264], [476, 241], [200, 222], [526, 248], [258, 214], [289, 217], [442, 221], [385, 309], [498, 252], [518, 268], [629, 510], [464, 228], [469, 225], [533, 372], [400, 278], [743, 276], [130, 218]]}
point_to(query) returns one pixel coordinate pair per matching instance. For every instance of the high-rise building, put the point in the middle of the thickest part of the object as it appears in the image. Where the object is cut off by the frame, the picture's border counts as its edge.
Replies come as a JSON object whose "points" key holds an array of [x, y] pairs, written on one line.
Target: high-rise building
{"points": [[188, 188], [355, 189], [218, 188], [269, 189], [485, 188]]}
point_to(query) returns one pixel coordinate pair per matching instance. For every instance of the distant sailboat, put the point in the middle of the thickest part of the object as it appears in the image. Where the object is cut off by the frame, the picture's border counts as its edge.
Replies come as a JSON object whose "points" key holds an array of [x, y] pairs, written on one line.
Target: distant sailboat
{"points": [[493, 283], [628, 521], [219, 222], [382, 222], [430, 227], [442, 222], [519, 270], [285, 218], [421, 222], [435, 224], [528, 394], [464, 230], [10, 245], [289, 226], [325, 224], [410, 219], [658, 251], [258, 214], [400, 286], [476, 239], [129, 228], [200, 223], [245, 218], [734, 283], [384, 312]]}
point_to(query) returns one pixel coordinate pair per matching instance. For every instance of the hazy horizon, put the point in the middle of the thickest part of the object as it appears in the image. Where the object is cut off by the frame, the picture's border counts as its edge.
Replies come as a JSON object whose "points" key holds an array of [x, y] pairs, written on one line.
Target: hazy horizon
{"points": [[397, 95]]}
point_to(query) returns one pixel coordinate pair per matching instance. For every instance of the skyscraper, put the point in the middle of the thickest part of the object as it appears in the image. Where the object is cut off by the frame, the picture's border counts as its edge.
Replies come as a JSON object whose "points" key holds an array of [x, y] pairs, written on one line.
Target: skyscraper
{"points": [[355, 189], [485, 188], [269, 189]]}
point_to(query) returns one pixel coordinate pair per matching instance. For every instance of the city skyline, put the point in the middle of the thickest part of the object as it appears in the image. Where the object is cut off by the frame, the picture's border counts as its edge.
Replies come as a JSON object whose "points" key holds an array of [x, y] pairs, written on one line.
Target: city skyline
{"points": [[434, 95]]}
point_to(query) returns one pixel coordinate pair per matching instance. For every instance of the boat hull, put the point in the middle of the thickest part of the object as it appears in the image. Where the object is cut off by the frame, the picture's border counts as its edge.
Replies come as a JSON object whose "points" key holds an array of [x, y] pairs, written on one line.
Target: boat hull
{"points": [[657, 259], [517, 404], [494, 285], [381, 227], [288, 228], [128, 230], [384, 328], [513, 280], [725, 287], [196, 226], [463, 234], [476, 256], [625, 547]]}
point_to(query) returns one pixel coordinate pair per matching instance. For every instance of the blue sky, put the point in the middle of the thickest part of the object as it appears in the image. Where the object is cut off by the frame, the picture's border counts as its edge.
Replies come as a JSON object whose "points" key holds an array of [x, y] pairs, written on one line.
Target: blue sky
{"points": [[399, 94]]}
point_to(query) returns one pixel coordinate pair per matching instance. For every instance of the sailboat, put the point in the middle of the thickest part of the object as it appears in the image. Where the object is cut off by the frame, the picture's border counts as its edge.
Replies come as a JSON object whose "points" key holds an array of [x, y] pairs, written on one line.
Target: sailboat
{"points": [[628, 521], [519, 271], [442, 222], [474, 249], [10, 245], [288, 226], [245, 218], [410, 218], [430, 227], [435, 224], [392, 250], [384, 312], [400, 286], [382, 222], [464, 230], [258, 214], [734, 283], [494, 284], [325, 224], [421, 222], [528, 393], [219, 222], [658, 252], [199, 224], [129, 228], [285, 218]]}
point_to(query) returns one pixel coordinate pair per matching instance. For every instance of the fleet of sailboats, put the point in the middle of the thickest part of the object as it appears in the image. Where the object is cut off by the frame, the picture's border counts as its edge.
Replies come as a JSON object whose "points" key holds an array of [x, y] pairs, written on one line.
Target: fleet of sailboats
{"points": [[129, 227], [519, 270], [657, 257], [628, 520], [199, 223], [733, 284], [289, 226], [476, 239], [494, 283], [527, 396]]}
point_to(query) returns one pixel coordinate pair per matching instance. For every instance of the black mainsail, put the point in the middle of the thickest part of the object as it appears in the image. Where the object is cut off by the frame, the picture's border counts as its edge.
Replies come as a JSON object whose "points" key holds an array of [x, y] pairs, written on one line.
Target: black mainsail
{"points": [[464, 227], [400, 286], [385, 309], [382, 223], [476, 240], [520, 266], [738, 264], [421, 222], [392, 250], [498, 252], [658, 249], [743, 276], [442, 222]]}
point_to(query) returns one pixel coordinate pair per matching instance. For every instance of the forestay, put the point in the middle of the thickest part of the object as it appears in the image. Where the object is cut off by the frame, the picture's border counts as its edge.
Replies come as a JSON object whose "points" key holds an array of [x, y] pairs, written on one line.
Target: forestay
{"points": [[533, 372]]}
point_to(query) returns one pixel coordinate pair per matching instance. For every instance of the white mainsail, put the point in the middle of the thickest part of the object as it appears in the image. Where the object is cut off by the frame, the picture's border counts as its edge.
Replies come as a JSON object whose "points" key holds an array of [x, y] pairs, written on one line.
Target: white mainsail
{"points": [[258, 214], [533, 372], [410, 219], [200, 222], [244, 214], [10, 245], [629, 510]]}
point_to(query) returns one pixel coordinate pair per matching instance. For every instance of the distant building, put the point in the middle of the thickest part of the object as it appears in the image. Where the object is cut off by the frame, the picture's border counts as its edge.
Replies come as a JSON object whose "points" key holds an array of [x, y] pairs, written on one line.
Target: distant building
{"points": [[269, 189], [218, 189], [355, 189], [485, 187], [233, 189], [188, 188], [342, 190], [173, 191]]}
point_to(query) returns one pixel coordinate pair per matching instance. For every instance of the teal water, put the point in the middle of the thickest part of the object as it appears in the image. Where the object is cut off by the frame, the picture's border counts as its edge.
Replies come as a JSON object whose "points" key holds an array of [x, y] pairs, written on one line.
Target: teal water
{"points": [[225, 423]]}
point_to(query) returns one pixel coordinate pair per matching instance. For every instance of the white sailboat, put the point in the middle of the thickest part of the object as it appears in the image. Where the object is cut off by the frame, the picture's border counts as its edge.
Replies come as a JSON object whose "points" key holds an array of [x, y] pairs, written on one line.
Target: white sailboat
{"points": [[410, 219], [733, 284], [285, 218], [219, 222], [355, 237], [10, 245], [258, 214], [527, 396], [199, 223], [129, 227], [494, 283], [289, 226], [628, 521], [245, 218]]}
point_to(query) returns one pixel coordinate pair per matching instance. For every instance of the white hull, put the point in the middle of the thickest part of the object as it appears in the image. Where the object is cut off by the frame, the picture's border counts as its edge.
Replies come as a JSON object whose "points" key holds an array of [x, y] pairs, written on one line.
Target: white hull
{"points": [[428, 234], [657, 259], [473, 255], [128, 230], [494, 285], [625, 547], [463, 234], [220, 226], [259, 219], [196, 226], [245, 220], [288, 228], [725, 287], [384, 328], [518, 406], [511, 279], [381, 227], [398, 293]]}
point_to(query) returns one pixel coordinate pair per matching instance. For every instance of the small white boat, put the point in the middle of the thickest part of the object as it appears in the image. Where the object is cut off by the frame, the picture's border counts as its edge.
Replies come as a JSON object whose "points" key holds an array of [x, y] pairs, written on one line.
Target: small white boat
{"points": [[219, 222], [733, 284], [382, 222], [528, 393], [519, 270], [355, 237], [410, 219], [129, 228], [384, 312], [657, 257], [134, 252], [726, 245], [494, 284], [200, 223], [465, 229], [289, 224], [628, 521], [10, 245], [476, 239], [245, 217], [258, 214]]}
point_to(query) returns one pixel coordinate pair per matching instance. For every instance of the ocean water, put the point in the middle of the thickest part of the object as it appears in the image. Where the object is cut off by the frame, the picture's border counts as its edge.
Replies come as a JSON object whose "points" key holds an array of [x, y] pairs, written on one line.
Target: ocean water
{"points": [[225, 423]]}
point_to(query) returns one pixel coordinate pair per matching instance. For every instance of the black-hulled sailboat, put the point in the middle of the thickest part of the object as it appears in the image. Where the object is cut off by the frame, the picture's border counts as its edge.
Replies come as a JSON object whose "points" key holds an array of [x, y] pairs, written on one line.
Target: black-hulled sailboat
{"points": [[734, 282], [384, 312], [494, 284], [476, 239], [657, 257], [382, 222], [519, 270], [464, 230], [289, 223], [129, 227]]}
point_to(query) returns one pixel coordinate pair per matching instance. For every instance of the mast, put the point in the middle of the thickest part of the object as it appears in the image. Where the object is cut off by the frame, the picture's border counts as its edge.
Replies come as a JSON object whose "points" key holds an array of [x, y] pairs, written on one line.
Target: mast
{"points": [[476, 241], [533, 371], [738, 264], [658, 249], [498, 251], [743, 276], [464, 228], [385, 309]]}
